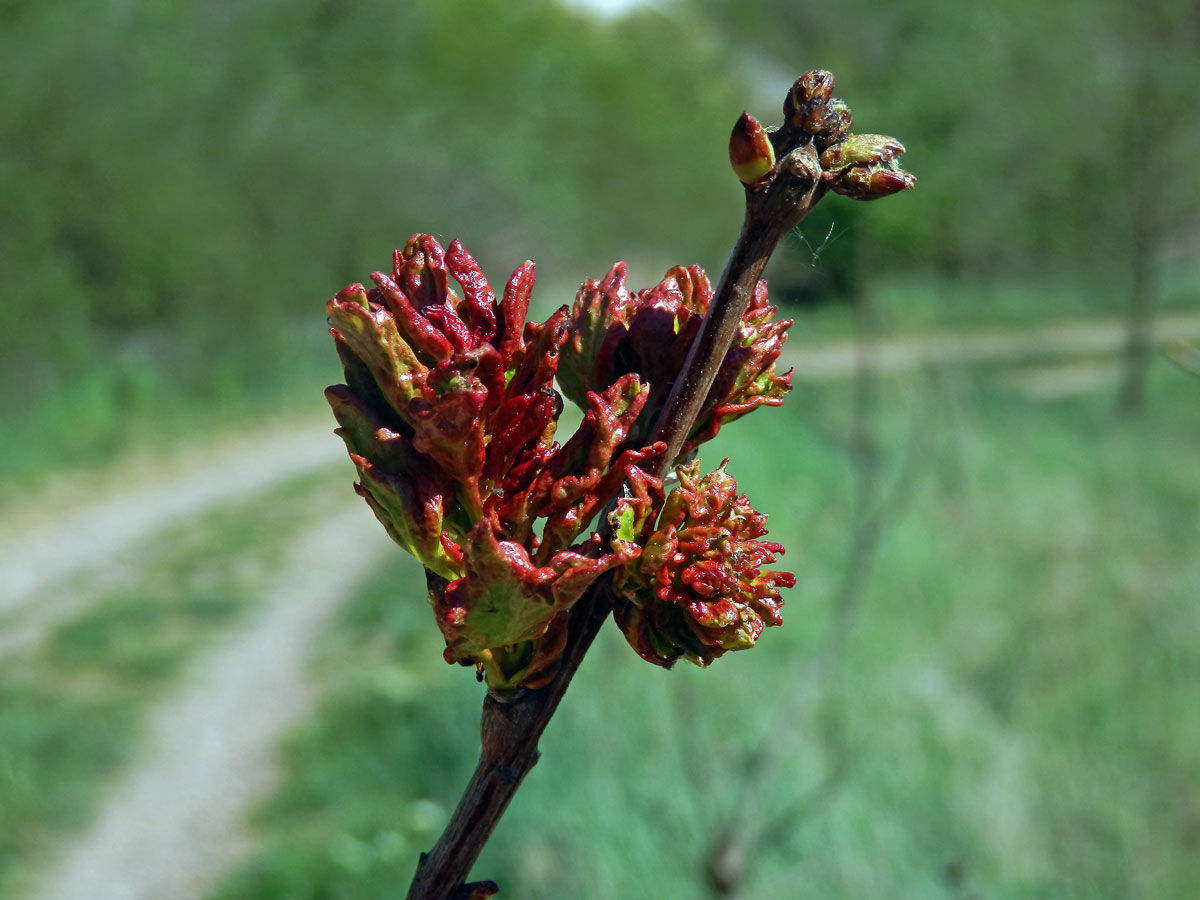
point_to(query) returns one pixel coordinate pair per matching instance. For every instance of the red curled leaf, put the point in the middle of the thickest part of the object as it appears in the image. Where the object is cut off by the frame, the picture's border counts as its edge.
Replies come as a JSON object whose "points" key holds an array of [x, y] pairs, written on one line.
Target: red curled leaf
{"points": [[521, 421], [420, 269], [513, 307], [371, 337], [478, 308], [534, 367], [449, 412], [504, 598], [421, 334], [614, 332], [447, 422]]}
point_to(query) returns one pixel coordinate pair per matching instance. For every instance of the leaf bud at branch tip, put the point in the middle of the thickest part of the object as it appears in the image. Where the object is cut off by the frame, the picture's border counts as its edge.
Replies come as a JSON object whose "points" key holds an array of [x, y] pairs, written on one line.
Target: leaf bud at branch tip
{"points": [[750, 152], [833, 124], [815, 88], [861, 183], [861, 150], [865, 167]]}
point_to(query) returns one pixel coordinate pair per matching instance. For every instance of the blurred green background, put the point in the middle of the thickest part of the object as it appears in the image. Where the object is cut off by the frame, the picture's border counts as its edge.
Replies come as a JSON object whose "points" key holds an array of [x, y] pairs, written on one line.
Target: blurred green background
{"points": [[987, 684]]}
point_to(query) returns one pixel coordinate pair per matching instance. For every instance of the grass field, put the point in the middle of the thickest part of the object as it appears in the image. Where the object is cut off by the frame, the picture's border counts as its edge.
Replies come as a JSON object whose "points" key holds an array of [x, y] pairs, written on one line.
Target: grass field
{"points": [[1013, 714], [72, 705]]}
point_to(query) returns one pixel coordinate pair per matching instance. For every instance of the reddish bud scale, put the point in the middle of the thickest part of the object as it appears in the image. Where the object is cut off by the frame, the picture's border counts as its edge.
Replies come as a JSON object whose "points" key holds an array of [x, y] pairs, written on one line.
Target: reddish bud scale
{"points": [[866, 167], [750, 152], [872, 183]]}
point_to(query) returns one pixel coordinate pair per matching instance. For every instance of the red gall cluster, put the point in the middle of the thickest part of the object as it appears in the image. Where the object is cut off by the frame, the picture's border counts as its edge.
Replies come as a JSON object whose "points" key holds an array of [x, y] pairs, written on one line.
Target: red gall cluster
{"points": [[449, 413], [693, 584]]}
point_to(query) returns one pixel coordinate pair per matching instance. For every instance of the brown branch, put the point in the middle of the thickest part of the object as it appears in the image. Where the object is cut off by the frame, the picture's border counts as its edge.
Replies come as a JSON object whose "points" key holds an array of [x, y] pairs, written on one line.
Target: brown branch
{"points": [[784, 180], [770, 214], [510, 731]]}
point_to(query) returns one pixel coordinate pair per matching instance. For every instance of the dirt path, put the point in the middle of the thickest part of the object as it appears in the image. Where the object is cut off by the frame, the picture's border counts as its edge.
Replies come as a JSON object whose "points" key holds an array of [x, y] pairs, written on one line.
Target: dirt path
{"points": [[34, 559], [176, 822], [834, 360]]}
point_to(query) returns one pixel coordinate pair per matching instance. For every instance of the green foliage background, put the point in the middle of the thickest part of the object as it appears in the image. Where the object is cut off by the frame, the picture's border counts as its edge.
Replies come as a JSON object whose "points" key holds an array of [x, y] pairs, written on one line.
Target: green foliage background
{"points": [[182, 184], [1011, 717]]}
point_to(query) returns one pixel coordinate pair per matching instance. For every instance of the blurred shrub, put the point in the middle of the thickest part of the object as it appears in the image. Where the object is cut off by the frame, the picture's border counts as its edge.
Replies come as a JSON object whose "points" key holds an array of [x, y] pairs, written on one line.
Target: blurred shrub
{"points": [[185, 182]]}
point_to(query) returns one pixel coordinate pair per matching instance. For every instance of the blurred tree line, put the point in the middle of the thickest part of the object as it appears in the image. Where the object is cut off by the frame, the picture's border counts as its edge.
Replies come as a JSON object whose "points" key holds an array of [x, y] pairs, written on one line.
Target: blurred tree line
{"points": [[1050, 140], [183, 183]]}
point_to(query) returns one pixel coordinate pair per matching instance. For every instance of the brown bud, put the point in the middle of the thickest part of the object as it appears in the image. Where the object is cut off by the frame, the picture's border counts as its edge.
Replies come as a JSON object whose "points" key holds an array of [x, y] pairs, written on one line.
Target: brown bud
{"points": [[816, 85], [750, 151], [864, 167], [834, 125], [801, 164], [865, 183]]}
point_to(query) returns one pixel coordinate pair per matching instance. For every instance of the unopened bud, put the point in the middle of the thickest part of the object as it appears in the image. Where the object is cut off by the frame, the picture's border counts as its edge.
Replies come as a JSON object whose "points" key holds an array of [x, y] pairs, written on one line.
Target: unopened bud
{"points": [[864, 167], [750, 151], [802, 165], [816, 85], [861, 150], [864, 183], [834, 124]]}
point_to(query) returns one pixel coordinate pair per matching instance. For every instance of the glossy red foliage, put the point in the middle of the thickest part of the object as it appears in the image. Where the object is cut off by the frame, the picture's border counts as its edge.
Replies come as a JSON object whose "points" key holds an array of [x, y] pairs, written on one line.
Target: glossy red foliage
{"points": [[614, 331], [698, 588], [449, 413]]}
